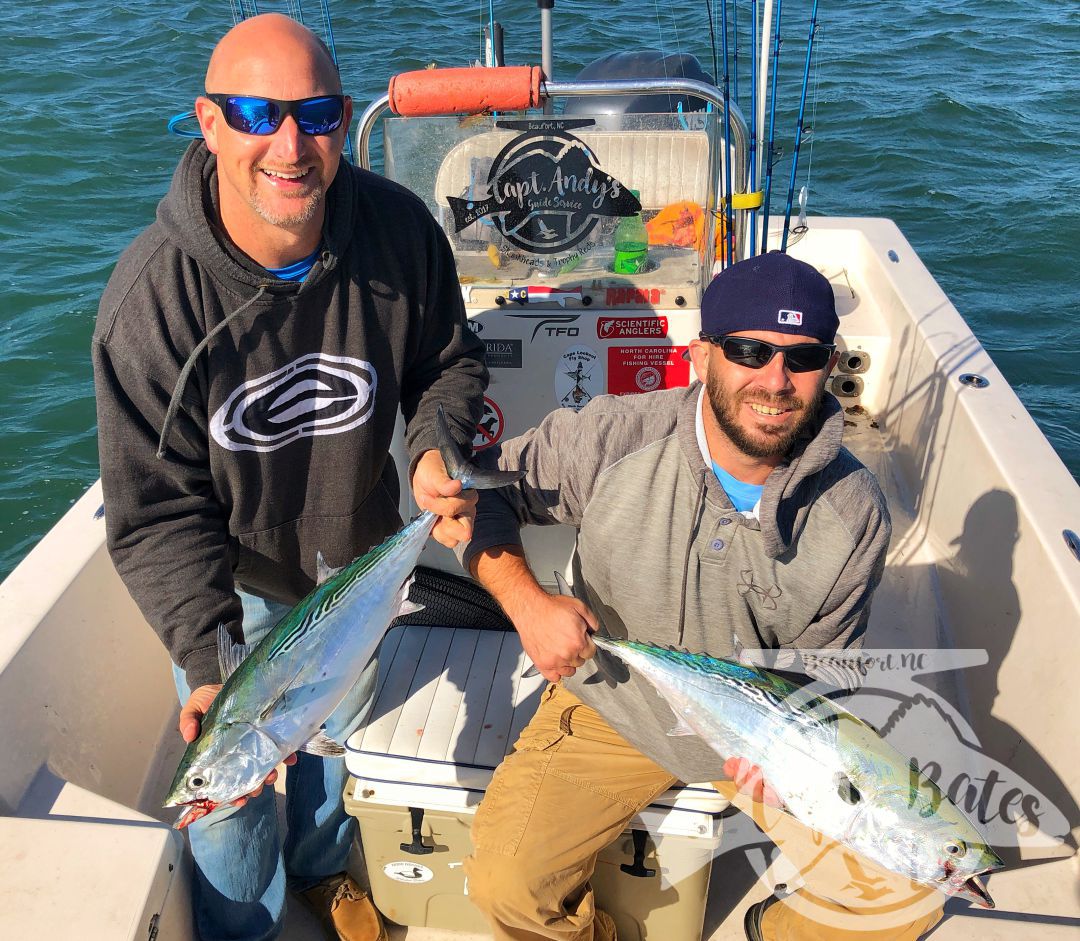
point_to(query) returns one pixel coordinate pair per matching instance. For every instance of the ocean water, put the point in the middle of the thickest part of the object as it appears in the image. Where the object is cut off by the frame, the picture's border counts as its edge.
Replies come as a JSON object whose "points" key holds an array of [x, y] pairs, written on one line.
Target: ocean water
{"points": [[956, 118]]}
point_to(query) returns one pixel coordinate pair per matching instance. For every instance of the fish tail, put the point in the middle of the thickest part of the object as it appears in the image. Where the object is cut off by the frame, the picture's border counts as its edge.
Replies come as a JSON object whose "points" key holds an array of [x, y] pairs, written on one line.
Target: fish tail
{"points": [[461, 468]]}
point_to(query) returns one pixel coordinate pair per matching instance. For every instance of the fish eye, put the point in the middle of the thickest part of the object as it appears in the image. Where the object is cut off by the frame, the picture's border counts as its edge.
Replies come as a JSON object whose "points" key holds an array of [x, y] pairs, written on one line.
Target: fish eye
{"points": [[198, 780], [955, 849]]}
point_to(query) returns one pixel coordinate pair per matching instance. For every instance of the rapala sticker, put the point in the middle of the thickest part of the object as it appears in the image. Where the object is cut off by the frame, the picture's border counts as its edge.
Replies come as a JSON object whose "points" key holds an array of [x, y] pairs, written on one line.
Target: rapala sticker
{"points": [[620, 328], [490, 427], [502, 354], [408, 872], [545, 191], [579, 378], [634, 369], [792, 318], [616, 297]]}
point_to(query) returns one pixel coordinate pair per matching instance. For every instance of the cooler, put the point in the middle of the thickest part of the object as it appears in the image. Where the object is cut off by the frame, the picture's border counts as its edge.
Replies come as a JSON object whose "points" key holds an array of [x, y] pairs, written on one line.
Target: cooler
{"points": [[451, 703]]}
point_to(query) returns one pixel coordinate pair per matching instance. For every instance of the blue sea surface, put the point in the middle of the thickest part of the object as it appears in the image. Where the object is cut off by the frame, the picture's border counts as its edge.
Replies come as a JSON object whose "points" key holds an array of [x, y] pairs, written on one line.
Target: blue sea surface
{"points": [[956, 118]]}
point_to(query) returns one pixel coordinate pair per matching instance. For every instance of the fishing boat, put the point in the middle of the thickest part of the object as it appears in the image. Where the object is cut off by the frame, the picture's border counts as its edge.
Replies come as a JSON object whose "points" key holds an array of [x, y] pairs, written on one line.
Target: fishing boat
{"points": [[540, 186]]}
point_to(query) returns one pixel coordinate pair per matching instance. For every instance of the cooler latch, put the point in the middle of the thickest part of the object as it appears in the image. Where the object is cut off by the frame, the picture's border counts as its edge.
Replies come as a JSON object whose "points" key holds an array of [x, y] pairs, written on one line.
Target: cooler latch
{"points": [[417, 847], [637, 868]]}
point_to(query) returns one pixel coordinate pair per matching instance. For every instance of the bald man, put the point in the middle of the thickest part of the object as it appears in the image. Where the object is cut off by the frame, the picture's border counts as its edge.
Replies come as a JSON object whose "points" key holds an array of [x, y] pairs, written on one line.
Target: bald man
{"points": [[252, 351]]}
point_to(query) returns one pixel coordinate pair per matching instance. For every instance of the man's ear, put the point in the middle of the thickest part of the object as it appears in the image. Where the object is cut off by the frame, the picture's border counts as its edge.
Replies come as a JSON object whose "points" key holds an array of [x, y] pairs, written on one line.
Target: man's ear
{"points": [[209, 116], [699, 358]]}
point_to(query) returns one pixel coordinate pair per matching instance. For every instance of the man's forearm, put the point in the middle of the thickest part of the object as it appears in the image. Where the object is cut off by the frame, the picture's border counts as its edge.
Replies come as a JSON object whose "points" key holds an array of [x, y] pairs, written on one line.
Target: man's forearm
{"points": [[505, 573]]}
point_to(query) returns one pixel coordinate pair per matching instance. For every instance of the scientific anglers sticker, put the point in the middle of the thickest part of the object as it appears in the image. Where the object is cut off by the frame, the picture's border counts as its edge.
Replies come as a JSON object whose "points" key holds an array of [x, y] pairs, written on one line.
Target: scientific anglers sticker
{"points": [[407, 872], [490, 427], [633, 369], [579, 377], [317, 394], [618, 328], [545, 190]]}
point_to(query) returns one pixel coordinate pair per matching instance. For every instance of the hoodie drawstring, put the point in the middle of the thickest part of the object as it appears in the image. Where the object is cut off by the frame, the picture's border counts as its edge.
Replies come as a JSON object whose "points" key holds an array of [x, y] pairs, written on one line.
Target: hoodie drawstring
{"points": [[686, 556], [185, 373]]}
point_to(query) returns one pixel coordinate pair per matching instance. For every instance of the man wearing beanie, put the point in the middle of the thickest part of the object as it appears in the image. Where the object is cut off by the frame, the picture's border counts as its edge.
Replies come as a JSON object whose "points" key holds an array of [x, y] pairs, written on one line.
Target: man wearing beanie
{"points": [[724, 514]]}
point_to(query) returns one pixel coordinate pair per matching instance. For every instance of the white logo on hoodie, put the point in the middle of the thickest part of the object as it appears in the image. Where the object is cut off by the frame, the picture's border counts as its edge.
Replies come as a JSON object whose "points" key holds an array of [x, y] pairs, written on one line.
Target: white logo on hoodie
{"points": [[317, 394]]}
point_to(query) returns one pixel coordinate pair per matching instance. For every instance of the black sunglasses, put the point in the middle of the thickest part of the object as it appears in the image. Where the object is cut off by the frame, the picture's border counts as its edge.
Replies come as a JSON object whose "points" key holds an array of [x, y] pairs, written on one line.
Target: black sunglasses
{"points": [[746, 351], [250, 114]]}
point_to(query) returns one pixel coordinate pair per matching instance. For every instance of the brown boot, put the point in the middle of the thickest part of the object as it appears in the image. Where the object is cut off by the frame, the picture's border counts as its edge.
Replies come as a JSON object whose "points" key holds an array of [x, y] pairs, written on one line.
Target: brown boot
{"points": [[344, 910]]}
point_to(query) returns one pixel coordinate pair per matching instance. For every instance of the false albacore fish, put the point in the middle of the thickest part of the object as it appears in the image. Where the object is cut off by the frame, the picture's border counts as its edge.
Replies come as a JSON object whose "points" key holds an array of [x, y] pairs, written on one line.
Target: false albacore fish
{"points": [[277, 697], [832, 771]]}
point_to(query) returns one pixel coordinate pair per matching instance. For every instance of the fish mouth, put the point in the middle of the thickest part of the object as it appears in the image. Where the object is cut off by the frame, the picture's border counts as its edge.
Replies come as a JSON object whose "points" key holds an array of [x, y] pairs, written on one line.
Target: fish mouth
{"points": [[194, 810], [973, 890]]}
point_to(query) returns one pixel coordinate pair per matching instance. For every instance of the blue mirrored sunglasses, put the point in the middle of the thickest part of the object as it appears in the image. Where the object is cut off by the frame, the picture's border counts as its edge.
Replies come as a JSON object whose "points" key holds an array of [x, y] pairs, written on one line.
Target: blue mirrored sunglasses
{"points": [[249, 114]]}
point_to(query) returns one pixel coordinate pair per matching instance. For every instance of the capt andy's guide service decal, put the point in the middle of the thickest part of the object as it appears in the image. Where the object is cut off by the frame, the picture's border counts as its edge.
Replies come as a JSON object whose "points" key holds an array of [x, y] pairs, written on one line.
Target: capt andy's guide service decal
{"points": [[546, 193], [579, 377]]}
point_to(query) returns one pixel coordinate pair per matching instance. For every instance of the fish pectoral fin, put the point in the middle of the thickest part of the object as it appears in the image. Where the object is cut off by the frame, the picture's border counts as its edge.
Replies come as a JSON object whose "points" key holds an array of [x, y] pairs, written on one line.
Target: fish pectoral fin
{"points": [[324, 572], [681, 728], [230, 653], [322, 745], [531, 672]]}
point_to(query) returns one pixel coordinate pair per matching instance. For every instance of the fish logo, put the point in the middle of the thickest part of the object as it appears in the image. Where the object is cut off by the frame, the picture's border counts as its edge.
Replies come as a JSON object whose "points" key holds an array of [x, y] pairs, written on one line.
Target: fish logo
{"points": [[545, 191], [317, 394]]}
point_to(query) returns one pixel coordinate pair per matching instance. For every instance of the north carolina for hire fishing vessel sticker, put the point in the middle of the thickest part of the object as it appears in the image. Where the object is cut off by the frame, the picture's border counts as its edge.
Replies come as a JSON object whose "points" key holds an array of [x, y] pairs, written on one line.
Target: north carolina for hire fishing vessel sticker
{"points": [[546, 193]]}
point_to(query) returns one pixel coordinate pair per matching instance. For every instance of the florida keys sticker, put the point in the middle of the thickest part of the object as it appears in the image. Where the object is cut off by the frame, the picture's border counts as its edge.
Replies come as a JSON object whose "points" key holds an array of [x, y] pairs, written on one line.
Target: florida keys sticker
{"points": [[579, 377]]}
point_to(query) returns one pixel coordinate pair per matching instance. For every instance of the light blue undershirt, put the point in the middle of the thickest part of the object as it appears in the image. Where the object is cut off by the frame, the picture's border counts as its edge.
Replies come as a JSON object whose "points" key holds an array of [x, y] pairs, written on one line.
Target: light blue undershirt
{"points": [[298, 270], [746, 498]]}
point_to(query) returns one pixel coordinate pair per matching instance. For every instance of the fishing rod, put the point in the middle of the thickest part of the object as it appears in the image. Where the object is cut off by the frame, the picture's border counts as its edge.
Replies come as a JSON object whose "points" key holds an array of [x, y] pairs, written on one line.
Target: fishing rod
{"points": [[799, 129], [763, 93], [752, 175], [735, 40], [769, 152], [729, 220]]}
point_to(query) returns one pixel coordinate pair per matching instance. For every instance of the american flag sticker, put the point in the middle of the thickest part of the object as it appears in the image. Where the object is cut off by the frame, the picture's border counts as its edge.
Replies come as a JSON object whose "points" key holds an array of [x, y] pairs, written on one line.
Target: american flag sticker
{"points": [[791, 317]]}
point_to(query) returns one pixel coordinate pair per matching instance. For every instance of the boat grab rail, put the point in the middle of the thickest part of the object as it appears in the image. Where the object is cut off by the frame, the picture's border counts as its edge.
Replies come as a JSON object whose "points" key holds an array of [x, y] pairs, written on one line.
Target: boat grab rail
{"points": [[740, 142]]}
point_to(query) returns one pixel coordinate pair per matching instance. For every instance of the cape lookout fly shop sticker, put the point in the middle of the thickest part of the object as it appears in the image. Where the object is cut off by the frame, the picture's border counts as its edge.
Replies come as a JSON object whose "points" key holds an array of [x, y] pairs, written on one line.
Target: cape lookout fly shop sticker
{"points": [[545, 191], [579, 377]]}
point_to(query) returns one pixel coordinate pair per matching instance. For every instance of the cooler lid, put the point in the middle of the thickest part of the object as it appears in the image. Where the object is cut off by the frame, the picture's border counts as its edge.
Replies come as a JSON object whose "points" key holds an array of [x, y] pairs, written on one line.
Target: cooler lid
{"points": [[449, 706]]}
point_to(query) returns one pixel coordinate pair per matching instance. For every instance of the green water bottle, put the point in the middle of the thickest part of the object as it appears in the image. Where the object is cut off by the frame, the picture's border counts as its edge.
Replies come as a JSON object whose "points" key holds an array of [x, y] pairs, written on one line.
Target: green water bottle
{"points": [[631, 244]]}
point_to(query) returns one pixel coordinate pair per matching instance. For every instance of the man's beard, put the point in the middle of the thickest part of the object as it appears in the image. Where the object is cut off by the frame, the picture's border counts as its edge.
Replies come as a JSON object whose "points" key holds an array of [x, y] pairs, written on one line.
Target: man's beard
{"points": [[303, 212], [763, 442]]}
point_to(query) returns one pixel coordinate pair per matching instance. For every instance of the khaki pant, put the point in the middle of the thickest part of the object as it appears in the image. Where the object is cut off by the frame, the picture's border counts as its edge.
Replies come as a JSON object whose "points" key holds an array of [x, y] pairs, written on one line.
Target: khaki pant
{"points": [[568, 791]]}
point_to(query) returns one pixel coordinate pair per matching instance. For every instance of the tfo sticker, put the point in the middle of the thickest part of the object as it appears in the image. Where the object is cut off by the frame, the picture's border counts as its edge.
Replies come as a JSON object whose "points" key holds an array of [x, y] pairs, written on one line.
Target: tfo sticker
{"points": [[579, 377], [407, 872], [490, 427]]}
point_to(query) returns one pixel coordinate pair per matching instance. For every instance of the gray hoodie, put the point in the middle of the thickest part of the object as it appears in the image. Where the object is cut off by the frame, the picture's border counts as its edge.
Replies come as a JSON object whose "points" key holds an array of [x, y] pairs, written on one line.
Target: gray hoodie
{"points": [[663, 557], [279, 447]]}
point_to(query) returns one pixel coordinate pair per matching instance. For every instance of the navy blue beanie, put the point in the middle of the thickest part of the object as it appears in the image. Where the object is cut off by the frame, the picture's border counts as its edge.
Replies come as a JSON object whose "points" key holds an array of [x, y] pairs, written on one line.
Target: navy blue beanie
{"points": [[774, 293]]}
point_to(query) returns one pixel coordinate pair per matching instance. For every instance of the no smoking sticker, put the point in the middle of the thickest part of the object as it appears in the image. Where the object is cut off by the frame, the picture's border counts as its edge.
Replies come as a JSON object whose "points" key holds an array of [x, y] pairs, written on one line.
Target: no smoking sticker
{"points": [[490, 427]]}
